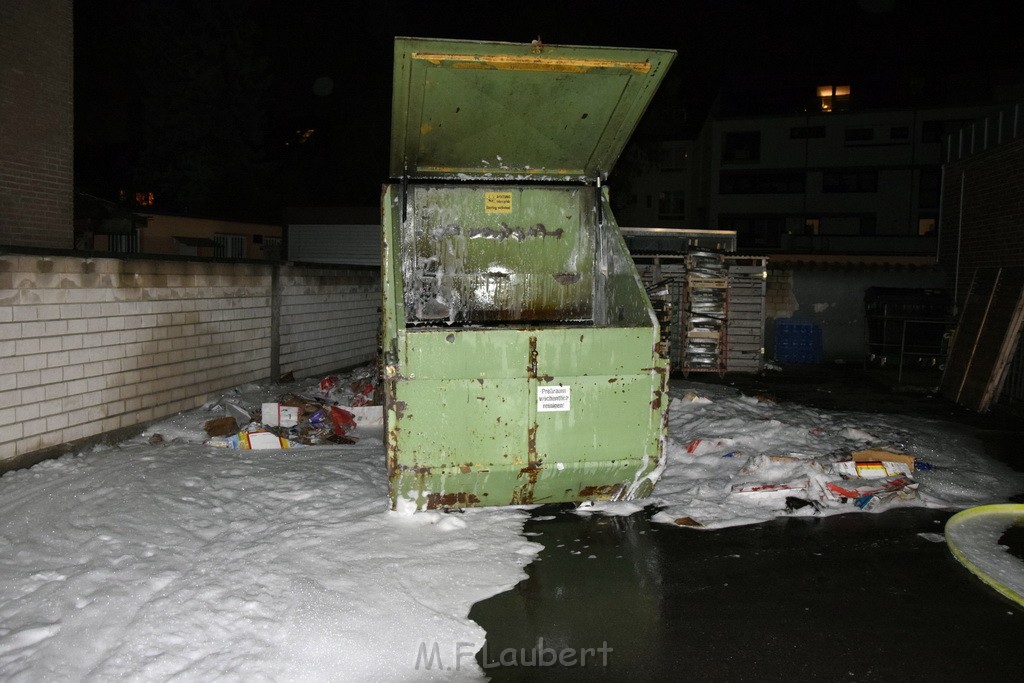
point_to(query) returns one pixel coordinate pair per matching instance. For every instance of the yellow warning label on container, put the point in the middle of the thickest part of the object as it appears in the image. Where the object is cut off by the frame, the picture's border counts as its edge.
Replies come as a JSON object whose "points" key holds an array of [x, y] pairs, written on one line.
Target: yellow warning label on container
{"points": [[498, 202]]}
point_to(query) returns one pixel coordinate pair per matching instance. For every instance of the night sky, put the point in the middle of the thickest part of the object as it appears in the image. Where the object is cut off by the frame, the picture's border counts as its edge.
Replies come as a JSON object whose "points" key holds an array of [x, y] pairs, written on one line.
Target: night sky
{"points": [[219, 91]]}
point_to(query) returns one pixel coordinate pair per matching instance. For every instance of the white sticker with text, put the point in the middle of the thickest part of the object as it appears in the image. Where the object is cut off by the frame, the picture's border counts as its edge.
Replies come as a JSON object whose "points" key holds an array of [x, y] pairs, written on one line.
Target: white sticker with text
{"points": [[552, 399]]}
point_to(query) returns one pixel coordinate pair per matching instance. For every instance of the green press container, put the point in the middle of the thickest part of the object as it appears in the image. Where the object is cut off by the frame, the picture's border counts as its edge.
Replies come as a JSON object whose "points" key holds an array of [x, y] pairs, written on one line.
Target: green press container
{"points": [[522, 358]]}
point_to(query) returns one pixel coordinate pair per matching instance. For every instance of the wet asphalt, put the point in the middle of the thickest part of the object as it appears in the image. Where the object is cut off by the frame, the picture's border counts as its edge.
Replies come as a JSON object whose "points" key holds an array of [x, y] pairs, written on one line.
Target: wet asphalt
{"points": [[851, 597]]}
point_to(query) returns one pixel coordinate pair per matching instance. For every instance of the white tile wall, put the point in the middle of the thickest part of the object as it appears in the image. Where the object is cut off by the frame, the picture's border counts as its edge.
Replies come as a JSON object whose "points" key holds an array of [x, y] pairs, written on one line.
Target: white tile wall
{"points": [[93, 345]]}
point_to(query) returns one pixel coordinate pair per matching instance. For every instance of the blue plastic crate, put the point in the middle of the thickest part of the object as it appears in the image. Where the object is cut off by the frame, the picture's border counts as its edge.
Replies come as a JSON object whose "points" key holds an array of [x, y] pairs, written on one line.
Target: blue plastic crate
{"points": [[797, 341]]}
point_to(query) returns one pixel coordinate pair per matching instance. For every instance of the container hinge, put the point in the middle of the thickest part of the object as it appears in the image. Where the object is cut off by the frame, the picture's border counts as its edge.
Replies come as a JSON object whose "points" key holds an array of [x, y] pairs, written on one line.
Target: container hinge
{"points": [[600, 207]]}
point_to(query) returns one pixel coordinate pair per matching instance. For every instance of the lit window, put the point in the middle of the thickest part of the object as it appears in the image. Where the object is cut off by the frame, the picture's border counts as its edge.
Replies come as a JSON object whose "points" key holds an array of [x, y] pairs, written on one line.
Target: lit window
{"points": [[834, 97], [926, 226]]}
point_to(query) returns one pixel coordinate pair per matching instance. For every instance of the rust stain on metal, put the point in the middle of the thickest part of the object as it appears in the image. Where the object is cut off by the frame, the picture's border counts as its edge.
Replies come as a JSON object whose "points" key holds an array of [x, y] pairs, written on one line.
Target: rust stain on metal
{"points": [[467, 468], [523, 495], [546, 378], [447, 500], [613, 379], [656, 401], [530, 62], [531, 443], [531, 471], [400, 407], [607, 491], [531, 366], [419, 470], [392, 459]]}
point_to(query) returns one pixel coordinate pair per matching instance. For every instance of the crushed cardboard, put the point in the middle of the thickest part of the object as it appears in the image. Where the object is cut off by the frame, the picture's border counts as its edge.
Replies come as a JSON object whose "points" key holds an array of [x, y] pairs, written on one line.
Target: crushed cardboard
{"points": [[221, 426]]}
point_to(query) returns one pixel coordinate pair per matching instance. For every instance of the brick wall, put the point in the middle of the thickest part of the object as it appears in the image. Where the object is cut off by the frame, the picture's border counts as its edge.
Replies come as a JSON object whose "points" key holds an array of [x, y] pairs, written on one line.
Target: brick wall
{"points": [[36, 123], [329, 318], [779, 301], [993, 213], [89, 346]]}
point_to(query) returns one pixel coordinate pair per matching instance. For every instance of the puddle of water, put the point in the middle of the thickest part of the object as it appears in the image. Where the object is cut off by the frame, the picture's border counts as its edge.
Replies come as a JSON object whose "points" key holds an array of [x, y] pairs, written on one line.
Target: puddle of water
{"points": [[859, 595]]}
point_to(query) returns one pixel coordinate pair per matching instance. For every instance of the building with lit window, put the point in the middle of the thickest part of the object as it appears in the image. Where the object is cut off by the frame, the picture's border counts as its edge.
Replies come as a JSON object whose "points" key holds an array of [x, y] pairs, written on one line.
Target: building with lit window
{"points": [[840, 189]]}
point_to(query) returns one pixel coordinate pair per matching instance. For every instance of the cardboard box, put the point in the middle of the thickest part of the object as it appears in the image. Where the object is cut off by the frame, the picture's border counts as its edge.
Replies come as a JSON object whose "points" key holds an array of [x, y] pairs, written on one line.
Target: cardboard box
{"points": [[257, 441], [883, 455], [871, 469], [280, 415]]}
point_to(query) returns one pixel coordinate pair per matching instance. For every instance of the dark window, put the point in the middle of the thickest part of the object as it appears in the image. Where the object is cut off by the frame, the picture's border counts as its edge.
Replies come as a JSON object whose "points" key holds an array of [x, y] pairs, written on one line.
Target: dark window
{"points": [[804, 132], [124, 244], [761, 182], [849, 181], [929, 190], [755, 231], [672, 205], [932, 131], [899, 133], [229, 246], [860, 134], [741, 147], [672, 157], [867, 225]]}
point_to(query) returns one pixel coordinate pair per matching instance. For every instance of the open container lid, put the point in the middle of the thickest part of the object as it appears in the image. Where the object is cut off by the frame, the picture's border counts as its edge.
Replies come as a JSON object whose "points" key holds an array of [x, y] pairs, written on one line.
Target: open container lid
{"points": [[511, 111]]}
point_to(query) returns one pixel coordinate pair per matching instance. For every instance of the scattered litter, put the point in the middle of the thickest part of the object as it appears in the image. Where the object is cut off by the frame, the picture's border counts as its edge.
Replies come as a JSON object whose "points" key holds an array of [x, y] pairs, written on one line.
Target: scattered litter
{"points": [[770, 488], [882, 454], [221, 426], [242, 415], [367, 415], [254, 440], [687, 521], [861, 488], [934, 538], [155, 439], [342, 420], [280, 415], [330, 412], [793, 504], [870, 469]]}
